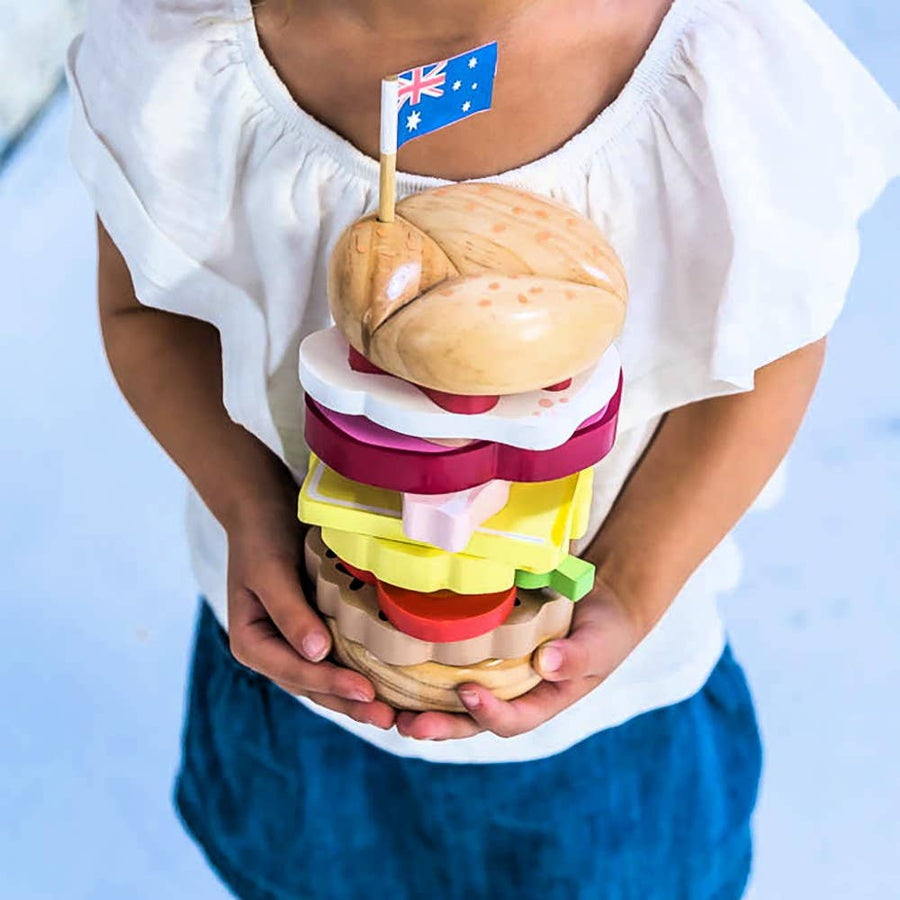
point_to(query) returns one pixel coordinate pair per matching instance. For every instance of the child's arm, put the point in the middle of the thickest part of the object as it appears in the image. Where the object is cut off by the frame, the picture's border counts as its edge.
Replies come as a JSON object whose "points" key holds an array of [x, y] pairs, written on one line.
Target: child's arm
{"points": [[170, 370], [706, 464]]}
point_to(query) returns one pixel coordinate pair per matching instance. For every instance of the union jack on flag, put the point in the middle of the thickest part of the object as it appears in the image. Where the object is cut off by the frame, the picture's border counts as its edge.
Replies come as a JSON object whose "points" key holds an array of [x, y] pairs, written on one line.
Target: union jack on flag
{"points": [[436, 95], [418, 83]]}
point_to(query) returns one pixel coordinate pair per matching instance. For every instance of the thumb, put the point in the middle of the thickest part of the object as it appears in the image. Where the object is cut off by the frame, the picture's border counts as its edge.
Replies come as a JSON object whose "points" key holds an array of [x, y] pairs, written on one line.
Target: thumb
{"points": [[582, 654], [278, 586]]}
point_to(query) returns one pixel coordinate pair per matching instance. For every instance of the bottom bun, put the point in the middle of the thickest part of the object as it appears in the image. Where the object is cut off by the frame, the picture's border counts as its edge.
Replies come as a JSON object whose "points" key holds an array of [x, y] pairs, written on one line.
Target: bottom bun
{"points": [[430, 685]]}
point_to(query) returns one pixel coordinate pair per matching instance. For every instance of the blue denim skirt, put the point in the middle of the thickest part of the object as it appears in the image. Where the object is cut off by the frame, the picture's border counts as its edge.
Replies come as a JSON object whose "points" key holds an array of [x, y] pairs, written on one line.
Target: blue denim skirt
{"points": [[286, 804]]}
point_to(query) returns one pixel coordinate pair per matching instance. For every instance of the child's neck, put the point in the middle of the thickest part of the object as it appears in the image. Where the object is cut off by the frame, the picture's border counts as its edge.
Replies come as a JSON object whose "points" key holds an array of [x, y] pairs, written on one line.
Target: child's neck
{"points": [[430, 20], [561, 62]]}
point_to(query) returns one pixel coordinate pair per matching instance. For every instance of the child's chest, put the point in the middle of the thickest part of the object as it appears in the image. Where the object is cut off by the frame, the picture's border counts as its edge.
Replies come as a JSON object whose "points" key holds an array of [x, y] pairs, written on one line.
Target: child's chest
{"points": [[557, 70]]}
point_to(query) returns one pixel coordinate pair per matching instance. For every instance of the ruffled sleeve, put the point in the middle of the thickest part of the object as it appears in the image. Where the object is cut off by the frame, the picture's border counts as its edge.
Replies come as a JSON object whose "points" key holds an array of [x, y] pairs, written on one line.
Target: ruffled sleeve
{"points": [[734, 196], [160, 134], [802, 141]]}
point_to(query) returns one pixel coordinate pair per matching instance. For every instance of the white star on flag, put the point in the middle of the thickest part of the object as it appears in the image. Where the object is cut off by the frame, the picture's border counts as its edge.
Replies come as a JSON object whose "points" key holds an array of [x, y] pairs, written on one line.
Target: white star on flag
{"points": [[412, 121], [466, 106], [474, 85], [457, 85], [473, 62]]}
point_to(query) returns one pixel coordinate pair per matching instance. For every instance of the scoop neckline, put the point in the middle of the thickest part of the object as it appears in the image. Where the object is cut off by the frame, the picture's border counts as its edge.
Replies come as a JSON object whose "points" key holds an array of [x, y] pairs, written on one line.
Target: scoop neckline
{"points": [[575, 152]]}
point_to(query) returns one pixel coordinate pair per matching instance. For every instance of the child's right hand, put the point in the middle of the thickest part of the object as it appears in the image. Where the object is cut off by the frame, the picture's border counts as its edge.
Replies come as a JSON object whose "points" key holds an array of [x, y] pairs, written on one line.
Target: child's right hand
{"points": [[272, 628], [170, 369]]}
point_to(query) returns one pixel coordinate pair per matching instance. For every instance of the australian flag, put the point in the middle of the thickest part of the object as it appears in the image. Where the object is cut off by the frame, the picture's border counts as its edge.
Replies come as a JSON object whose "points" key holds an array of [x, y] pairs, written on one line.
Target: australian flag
{"points": [[434, 96]]}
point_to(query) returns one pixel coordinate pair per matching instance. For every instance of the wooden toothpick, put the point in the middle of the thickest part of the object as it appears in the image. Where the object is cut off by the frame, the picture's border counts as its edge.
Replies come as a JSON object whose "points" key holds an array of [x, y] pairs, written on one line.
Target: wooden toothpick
{"points": [[387, 180]]}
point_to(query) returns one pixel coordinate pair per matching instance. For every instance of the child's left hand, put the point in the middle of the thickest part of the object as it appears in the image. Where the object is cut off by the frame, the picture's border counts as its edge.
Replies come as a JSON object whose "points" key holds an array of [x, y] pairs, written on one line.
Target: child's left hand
{"points": [[604, 631]]}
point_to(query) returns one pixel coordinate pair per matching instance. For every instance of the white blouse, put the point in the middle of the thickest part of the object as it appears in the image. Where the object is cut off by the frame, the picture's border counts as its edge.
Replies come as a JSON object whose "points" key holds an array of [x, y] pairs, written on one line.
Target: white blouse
{"points": [[729, 175]]}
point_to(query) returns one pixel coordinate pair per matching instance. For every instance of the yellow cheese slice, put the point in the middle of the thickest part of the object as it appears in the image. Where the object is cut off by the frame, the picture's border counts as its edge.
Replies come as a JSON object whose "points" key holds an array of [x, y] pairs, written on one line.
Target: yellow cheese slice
{"points": [[532, 532], [420, 568]]}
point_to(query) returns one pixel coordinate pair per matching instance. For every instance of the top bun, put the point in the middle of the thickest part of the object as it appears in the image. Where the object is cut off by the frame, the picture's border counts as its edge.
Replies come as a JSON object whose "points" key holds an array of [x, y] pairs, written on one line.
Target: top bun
{"points": [[478, 289]]}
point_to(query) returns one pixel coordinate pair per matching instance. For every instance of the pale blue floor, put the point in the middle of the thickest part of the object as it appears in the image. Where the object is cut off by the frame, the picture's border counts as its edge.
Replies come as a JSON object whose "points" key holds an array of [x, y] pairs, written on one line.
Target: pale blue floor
{"points": [[96, 602]]}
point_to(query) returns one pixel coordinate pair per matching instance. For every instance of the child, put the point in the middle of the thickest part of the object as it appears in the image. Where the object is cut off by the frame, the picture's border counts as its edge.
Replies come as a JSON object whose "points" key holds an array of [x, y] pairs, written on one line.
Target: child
{"points": [[727, 148]]}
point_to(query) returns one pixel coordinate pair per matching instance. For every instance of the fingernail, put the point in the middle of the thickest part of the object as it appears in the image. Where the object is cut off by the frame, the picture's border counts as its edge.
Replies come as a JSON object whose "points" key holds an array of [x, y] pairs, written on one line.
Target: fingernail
{"points": [[315, 647], [359, 696], [551, 659], [470, 699]]}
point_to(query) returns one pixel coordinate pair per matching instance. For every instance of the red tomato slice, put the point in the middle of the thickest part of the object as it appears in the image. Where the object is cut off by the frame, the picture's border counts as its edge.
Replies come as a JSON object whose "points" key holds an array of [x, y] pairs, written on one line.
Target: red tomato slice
{"points": [[455, 403], [444, 616], [364, 576]]}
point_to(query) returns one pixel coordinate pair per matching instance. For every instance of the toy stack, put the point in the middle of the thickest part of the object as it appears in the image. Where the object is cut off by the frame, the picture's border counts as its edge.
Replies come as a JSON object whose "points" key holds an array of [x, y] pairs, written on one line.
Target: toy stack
{"points": [[454, 413]]}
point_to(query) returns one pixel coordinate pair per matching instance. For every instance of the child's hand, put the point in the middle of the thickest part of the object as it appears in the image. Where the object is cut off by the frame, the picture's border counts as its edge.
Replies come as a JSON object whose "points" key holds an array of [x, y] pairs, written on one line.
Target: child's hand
{"points": [[274, 631], [603, 633]]}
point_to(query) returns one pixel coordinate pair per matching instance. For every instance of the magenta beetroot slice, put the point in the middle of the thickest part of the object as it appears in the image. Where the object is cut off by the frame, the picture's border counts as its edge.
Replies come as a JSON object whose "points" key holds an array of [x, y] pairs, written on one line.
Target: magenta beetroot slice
{"points": [[441, 471]]}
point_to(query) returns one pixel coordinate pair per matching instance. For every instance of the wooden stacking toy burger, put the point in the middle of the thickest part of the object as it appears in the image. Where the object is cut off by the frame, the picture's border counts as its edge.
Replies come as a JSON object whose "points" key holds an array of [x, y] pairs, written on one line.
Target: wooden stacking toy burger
{"points": [[454, 414]]}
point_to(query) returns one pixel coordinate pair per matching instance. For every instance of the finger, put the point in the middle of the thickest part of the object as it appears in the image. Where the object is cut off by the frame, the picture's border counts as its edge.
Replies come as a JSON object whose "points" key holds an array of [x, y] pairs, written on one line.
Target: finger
{"points": [[375, 713], [583, 654], [277, 585], [562, 660], [261, 648], [436, 726], [510, 718]]}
